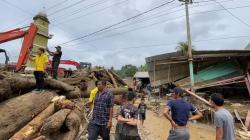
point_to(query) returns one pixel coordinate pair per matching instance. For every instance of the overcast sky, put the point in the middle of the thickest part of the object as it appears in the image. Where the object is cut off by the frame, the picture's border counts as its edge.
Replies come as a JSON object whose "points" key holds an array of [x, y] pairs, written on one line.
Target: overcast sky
{"points": [[154, 33]]}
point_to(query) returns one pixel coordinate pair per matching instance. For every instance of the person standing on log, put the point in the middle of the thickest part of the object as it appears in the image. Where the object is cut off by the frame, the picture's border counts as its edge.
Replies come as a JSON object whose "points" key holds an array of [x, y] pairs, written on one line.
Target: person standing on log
{"points": [[55, 60], [101, 121], [223, 120], [40, 60], [179, 116]]}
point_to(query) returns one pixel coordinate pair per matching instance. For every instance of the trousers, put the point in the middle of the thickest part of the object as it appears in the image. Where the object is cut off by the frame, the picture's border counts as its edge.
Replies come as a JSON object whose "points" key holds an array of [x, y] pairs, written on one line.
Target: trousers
{"points": [[39, 76], [94, 130], [179, 134]]}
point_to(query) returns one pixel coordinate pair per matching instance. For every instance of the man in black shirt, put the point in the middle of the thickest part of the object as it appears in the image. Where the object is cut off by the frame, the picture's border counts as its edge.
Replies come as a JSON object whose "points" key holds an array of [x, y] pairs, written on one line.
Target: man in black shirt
{"points": [[128, 116], [55, 60]]}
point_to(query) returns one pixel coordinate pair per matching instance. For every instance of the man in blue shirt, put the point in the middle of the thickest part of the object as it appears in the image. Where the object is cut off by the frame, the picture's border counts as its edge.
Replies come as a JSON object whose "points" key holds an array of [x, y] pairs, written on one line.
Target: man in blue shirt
{"points": [[180, 115], [101, 121]]}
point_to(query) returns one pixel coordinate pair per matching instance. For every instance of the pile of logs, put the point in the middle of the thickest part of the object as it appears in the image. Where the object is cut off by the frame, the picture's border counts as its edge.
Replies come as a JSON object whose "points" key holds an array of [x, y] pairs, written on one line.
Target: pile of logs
{"points": [[58, 113]]}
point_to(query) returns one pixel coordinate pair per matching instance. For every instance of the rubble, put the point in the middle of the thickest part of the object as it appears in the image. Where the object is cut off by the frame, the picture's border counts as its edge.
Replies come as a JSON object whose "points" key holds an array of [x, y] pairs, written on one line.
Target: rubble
{"points": [[57, 113]]}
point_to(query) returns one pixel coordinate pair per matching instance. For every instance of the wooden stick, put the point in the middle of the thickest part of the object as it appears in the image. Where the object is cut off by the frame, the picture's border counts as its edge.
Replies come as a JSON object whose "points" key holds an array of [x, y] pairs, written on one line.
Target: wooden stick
{"points": [[238, 118], [117, 77], [112, 78], [247, 122], [198, 97]]}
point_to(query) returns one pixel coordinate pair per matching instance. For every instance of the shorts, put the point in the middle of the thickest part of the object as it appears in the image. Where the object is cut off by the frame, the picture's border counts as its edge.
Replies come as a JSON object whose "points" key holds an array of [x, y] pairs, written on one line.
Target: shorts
{"points": [[142, 116]]}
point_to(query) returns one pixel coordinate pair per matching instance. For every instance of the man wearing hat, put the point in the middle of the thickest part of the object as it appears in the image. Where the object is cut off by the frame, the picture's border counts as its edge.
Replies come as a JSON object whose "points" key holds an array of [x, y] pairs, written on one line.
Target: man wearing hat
{"points": [[55, 60], [180, 115]]}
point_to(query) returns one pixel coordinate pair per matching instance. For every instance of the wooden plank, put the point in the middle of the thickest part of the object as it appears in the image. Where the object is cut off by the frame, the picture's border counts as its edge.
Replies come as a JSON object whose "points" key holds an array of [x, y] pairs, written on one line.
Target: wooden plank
{"points": [[247, 122], [198, 97], [112, 79], [238, 118]]}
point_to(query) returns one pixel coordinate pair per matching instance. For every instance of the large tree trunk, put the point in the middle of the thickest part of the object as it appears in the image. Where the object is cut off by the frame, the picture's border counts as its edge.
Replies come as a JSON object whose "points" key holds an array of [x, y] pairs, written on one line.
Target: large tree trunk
{"points": [[17, 112], [14, 85], [54, 123], [70, 135], [117, 78], [72, 122], [33, 127], [115, 91], [112, 79], [11, 85]]}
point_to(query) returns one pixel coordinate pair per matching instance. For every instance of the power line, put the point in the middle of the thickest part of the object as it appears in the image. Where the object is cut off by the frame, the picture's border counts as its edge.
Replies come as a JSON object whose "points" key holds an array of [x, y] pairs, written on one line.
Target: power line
{"points": [[162, 21], [175, 43], [57, 4], [240, 20], [67, 7], [26, 19], [110, 26], [157, 16], [80, 10], [17, 7], [138, 21], [90, 13]]}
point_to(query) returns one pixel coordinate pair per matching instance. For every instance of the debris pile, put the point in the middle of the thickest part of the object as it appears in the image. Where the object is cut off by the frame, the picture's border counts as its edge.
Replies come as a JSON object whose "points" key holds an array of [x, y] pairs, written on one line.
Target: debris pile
{"points": [[57, 113]]}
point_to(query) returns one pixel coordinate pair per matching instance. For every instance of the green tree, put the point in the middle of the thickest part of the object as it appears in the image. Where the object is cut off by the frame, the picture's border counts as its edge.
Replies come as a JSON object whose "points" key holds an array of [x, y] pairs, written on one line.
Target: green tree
{"points": [[183, 48], [127, 71], [143, 68]]}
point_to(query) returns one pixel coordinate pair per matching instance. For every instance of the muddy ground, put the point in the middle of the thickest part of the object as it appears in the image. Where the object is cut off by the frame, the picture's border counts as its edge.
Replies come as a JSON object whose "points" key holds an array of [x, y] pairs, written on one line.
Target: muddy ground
{"points": [[157, 128]]}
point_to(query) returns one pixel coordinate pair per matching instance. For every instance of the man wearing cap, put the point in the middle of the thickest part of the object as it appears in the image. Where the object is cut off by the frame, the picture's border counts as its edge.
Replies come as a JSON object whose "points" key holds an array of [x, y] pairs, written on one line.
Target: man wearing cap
{"points": [[180, 115], [223, 120], [55, 60]]}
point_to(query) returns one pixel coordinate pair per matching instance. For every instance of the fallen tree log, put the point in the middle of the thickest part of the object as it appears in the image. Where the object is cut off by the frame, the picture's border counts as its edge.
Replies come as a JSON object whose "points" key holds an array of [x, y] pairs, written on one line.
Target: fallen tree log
{"points": [[14, 84], [75, 81], [112, 79], [33, 127], [15, 113], [117, 78], [54, 122], [70, 135], [72, 121], [115, 91]]}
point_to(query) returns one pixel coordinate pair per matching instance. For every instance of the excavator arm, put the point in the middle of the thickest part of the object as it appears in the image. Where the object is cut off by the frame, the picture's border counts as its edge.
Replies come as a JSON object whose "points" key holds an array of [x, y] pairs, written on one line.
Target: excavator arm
{"points": [[29, 36], [6, 56]]}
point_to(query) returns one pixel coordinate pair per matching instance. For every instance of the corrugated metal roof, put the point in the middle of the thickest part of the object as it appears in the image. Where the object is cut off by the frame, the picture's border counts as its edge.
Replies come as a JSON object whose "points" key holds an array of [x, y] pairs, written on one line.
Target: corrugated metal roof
{"points": [[216, 72], [172, 67], [141, 75]]}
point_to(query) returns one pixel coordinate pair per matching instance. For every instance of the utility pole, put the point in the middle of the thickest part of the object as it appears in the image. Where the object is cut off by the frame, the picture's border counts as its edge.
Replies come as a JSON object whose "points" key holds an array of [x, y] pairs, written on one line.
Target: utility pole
{"points": [[190, 56]]}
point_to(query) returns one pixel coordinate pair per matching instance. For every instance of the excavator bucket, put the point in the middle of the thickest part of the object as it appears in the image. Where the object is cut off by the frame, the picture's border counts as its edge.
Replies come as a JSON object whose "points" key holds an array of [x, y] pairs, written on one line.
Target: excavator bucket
{"points": [[27, 44]]}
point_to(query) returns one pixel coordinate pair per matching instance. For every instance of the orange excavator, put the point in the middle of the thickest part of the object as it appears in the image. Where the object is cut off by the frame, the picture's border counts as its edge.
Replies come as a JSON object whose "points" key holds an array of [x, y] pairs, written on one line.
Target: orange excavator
{"points": [[28, 33]]}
